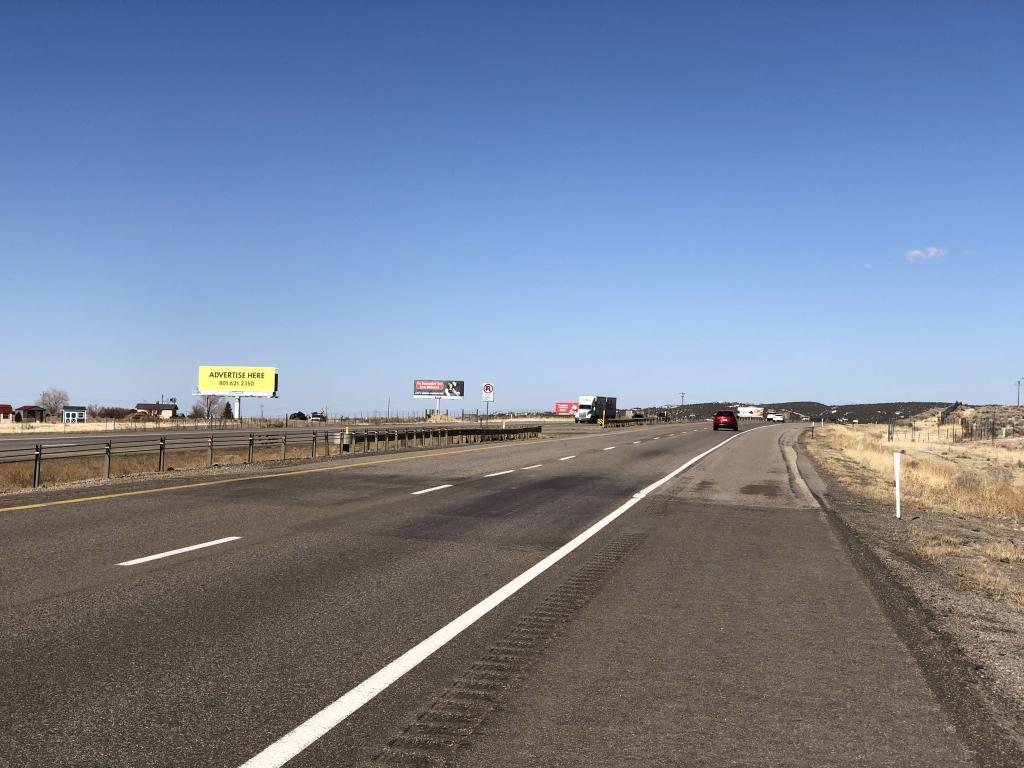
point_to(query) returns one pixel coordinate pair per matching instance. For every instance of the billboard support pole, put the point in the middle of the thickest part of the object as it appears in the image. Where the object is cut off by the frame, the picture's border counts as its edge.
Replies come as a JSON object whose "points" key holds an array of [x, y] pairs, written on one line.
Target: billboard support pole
{"points": [[238, 406]]}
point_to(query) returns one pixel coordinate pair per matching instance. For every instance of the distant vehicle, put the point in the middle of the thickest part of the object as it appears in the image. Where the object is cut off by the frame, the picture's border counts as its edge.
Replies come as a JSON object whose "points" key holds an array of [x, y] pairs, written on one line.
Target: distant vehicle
{"points": [[772, 416], [318, 416], [298, 416], [594, 407], [725, 420], [638, 414]]}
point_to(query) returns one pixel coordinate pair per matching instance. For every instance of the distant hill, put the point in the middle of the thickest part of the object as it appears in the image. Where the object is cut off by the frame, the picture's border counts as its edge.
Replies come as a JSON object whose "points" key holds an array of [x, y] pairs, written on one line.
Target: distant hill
{"points": [[863, 412]]}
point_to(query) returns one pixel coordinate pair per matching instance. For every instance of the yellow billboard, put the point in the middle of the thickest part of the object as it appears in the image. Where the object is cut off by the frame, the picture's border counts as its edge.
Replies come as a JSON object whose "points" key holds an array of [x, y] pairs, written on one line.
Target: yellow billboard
{"points": [[234, 380]]}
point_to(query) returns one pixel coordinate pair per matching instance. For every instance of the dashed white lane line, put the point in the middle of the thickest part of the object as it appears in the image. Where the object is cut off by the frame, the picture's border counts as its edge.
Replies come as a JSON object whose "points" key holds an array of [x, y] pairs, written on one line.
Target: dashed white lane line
{"points": [[505, 472], [534, 466], [308, 732], [655, 438], [610, 448], [431, 490], [147, 558], [566, 458], [637, 442]]}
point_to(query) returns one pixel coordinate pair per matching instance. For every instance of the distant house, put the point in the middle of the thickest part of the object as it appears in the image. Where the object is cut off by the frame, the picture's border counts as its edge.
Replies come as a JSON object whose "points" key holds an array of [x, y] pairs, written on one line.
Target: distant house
{"points": [[158, 410], [25, 413], [73, 414], [6, 412]]}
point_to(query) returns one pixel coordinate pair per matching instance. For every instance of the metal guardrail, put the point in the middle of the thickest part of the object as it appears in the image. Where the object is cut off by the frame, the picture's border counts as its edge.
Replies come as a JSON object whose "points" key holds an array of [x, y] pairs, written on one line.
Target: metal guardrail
{"points": [[630, 422], [281, 445]]}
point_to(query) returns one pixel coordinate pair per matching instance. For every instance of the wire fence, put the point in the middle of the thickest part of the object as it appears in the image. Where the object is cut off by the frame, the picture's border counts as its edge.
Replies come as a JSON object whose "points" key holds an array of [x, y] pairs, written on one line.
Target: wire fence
{"points": [[41, 464]]}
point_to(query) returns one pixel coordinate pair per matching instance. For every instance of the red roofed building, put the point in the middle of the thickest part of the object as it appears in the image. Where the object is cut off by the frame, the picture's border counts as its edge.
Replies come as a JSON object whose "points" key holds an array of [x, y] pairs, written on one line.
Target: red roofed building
{"points": [[6, 412], [30, 413]]}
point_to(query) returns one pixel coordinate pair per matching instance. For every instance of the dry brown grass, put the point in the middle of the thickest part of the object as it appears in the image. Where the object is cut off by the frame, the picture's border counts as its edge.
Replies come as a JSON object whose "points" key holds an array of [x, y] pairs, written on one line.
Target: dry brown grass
{"points": [[933, 547], [965, 483], [989, 579], [1004, 551]]}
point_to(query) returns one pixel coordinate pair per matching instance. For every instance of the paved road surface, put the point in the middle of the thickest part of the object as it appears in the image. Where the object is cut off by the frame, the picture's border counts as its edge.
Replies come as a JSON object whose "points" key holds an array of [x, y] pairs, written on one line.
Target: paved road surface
{"points": [[715, 622]]}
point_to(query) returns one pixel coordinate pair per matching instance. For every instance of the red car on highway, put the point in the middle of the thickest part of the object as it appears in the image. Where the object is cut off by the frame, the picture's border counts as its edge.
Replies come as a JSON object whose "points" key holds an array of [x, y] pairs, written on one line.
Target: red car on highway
{"points": [[726, 420]]}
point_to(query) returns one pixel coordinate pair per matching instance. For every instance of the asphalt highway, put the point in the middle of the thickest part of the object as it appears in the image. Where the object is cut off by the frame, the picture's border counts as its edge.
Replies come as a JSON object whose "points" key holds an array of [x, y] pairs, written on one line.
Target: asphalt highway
{"points": [[596, 599]]}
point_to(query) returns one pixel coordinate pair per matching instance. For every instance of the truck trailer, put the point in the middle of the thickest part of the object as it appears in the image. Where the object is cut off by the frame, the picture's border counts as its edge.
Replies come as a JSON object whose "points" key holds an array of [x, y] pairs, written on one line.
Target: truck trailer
{"points": [[594, 407]]}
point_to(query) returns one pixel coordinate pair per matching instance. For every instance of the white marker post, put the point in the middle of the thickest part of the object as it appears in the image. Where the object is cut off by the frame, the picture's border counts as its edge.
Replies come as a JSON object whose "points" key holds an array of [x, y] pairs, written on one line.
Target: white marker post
{"points": [[896, 471]]}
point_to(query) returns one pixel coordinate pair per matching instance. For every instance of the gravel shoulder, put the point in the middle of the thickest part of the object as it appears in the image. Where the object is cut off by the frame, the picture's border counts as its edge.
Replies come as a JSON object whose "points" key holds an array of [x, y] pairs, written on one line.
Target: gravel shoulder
{"points": [[968, 639]]}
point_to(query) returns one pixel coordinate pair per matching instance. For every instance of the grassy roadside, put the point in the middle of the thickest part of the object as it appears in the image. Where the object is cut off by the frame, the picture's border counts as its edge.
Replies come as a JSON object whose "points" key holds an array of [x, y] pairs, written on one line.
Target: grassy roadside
{"points": [[964, 502]]}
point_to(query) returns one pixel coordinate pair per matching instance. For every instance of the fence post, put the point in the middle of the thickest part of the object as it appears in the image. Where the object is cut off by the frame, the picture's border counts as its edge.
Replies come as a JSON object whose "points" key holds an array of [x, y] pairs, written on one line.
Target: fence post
{"points": [[163, 449], [209, 453], [37, 466], [312, 453], [252, 444], [106, 459]]}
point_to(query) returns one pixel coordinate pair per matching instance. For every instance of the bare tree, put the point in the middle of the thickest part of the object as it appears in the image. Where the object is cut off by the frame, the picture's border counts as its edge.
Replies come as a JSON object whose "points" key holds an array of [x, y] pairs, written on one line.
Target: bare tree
{"points": [[53, 400], [207, 407]]}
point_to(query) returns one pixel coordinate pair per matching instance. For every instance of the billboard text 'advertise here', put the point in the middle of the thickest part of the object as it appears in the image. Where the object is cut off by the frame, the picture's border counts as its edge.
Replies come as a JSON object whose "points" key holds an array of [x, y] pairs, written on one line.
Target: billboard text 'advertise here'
{"points": [[237, 380]]}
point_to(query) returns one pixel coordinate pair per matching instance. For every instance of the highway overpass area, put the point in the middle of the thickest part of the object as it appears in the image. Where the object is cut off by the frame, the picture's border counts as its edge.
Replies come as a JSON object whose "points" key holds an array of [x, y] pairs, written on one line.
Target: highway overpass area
{"points": [[656, 596]]}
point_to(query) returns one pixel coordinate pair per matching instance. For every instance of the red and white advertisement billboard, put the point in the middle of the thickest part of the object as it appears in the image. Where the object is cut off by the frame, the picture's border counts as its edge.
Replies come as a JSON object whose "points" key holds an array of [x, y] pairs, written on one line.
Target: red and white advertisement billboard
{"points": [[566, 409]]}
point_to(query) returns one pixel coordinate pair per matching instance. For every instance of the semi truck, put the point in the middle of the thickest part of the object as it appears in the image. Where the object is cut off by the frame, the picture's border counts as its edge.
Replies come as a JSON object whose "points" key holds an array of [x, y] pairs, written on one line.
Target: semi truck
{"points": [[594, 407]]}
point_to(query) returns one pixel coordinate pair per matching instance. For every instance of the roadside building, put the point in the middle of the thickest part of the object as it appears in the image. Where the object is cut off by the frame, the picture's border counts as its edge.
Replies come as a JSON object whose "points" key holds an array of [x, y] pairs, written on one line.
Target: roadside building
{"points": [[73, 414], [6, 412], [29, 413], [158, 410]]}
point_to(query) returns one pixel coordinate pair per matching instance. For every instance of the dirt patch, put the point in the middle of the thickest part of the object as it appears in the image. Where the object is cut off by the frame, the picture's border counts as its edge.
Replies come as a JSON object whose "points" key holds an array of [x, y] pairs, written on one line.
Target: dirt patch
{"points": [[760, 489]]}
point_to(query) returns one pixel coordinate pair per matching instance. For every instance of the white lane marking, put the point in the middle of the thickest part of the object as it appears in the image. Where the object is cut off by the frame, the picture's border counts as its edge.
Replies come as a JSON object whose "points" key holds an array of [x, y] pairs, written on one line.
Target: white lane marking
{"points": [[305, 734], [505, 472], [566, 458], [610, 448], [533, 466], [637, 442], [147, 558], [431, 490], [655, 438]]}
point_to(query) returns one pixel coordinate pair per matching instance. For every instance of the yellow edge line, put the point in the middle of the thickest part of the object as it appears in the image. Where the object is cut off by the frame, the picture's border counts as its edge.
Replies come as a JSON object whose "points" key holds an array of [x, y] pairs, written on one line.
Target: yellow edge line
{"points": [[271, 476]]}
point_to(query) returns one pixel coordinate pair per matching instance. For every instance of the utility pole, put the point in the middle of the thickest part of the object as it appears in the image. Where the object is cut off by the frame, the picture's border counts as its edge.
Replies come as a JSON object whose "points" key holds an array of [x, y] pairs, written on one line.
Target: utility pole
{"points": [[1018, 391], [682, 399]]}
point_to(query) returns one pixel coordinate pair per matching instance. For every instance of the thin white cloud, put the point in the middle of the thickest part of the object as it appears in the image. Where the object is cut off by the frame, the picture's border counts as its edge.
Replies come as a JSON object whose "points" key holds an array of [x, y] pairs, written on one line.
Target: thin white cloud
{"points": [[925, 254]]}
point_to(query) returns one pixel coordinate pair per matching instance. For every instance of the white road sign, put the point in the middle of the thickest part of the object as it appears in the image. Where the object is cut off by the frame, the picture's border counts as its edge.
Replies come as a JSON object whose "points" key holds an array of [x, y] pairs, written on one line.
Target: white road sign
{"points": [[488, 392]]}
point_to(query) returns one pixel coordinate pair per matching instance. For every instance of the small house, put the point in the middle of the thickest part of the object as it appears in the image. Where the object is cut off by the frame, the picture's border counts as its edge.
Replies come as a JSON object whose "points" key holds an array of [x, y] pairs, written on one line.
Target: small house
{"points": [[29, 413], [158, 410], [6, 412], [73, 414]]}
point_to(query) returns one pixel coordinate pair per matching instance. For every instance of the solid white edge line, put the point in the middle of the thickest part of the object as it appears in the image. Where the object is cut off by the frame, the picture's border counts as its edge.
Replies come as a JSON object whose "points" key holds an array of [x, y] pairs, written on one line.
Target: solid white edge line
{"points": [[431, 490], [305, 734], [534, 466], [566, 458], [505, 472], [147, 558]]}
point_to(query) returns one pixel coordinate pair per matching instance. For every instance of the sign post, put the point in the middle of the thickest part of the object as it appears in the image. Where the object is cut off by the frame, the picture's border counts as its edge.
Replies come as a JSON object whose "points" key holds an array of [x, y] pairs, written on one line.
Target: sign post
{"points": [[896, 471], [488, 397]]}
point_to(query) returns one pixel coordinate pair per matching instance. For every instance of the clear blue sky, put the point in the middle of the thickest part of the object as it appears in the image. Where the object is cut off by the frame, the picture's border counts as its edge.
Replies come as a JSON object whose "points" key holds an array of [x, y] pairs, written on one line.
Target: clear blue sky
{"points": [[747, 201]]}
